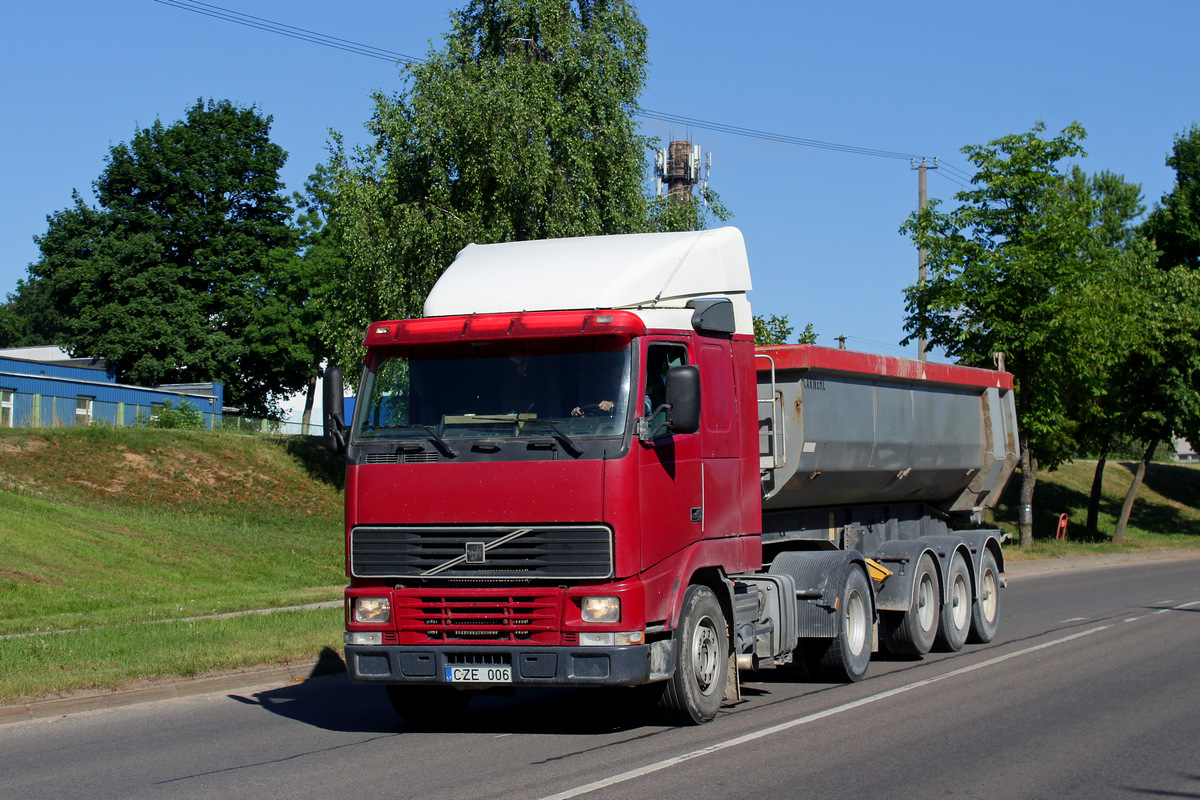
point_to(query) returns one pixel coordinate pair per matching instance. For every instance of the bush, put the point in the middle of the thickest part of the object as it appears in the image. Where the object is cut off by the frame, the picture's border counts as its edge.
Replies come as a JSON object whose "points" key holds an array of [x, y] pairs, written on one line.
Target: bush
{"points": [[184, 415]]}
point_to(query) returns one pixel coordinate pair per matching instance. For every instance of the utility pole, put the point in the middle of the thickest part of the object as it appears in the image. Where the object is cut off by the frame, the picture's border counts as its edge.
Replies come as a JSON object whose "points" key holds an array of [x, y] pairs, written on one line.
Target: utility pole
{"points": [[922, 200]]}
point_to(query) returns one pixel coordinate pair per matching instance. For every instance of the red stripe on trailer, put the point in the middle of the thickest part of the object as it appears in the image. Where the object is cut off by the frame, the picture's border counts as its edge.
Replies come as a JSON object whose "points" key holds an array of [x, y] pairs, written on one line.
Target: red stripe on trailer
{"points": [[828, 359]]}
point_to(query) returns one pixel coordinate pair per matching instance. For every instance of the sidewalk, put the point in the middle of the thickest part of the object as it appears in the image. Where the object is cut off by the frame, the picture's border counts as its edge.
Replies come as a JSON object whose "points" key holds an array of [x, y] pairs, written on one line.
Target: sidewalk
{"points": [[330, 663]]}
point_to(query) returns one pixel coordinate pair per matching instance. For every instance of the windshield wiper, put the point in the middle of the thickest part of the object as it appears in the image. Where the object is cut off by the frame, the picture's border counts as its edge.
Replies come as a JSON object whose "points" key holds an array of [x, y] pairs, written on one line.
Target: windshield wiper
{"points": [[441, 443], [559, 434]]}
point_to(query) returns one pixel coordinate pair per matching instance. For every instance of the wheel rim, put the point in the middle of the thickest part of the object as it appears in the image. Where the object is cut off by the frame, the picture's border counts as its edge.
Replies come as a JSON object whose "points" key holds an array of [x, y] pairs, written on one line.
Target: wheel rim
{"points": [[856, 621], [705, 656], [926, 614], [962, 603], [989, 598]]}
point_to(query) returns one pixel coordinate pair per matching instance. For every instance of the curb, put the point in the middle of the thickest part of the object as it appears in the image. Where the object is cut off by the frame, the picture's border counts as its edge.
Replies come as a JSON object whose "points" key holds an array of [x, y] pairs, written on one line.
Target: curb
{"points": [[1047, 566], [328, 664]]}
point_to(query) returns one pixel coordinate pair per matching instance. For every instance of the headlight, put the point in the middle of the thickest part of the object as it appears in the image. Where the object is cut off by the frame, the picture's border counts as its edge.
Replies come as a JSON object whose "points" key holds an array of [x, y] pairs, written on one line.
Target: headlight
{"points": [[601, 609], [372, 609]]}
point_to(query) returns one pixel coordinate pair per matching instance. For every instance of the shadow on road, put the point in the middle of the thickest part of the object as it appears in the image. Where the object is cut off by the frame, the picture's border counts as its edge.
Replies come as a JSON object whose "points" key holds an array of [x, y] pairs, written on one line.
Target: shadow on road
{"points": [[334, 703]]}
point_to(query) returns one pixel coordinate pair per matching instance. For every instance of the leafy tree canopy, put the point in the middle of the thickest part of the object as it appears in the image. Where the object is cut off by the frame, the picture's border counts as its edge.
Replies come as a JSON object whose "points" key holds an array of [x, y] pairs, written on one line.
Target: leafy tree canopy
{"points": [[1033, 263], [1175, 223], [28, 317], [187, 269], [777, 330], [519, 128]]}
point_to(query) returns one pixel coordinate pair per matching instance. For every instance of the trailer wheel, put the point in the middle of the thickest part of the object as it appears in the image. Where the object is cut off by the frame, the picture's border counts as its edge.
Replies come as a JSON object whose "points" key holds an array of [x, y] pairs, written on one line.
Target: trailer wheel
{"points": [[985, 611], [845, 657], [911, 632], [427, 706], [694, 692], [956, 611]]}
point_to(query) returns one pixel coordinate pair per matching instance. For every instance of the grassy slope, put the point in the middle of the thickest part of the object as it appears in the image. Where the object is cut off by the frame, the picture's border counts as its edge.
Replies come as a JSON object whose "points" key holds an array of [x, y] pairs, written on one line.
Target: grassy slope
{"points": [[111, 529], [105, 533], [1165, 515]]}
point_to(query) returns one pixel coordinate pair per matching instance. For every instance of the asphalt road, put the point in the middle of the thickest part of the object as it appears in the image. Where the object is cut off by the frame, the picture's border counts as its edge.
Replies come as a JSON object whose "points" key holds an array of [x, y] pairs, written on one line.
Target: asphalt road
{"points": [[1090, 690]]}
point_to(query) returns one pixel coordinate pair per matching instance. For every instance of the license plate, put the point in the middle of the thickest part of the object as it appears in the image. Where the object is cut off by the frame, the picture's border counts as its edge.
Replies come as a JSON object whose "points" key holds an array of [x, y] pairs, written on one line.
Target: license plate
{"points": [[500, 673]]}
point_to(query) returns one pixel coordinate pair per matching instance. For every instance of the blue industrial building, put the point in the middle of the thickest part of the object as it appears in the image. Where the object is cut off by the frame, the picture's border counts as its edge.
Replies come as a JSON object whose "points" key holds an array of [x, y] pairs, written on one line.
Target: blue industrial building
{"points": [[45, 387]]}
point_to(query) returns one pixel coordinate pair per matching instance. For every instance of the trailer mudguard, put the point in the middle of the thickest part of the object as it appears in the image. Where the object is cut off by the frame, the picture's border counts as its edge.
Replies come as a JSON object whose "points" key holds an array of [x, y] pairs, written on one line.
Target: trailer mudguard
{"points": [[977, 543], [901, 557], [945, 547], [820, 577]]}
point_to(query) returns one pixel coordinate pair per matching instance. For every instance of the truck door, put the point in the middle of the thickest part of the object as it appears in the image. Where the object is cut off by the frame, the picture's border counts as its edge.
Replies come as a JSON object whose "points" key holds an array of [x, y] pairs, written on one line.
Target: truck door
{"points": [[670, 487], [721, 470]]}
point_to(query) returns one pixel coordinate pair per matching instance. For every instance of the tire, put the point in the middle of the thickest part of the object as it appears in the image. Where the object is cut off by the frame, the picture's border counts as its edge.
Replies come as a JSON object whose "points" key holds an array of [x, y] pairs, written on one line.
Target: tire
{"points": [[912, 632], [427, 706], [985, 611], [693, 694], [955, 619], [845, 657]]}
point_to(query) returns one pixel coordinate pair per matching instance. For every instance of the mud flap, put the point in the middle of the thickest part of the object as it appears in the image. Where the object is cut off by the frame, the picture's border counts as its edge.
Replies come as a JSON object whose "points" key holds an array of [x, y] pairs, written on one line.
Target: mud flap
{"points": [[733, 683]]}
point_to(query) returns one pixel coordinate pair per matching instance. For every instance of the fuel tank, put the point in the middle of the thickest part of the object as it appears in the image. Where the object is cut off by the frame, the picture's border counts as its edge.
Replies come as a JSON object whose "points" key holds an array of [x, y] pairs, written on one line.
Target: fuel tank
{"points": [[839, 427]]}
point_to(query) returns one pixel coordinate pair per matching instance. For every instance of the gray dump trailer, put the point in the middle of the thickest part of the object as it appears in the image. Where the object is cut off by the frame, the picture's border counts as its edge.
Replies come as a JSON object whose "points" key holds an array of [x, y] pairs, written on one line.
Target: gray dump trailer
{"points": [[878, 466]]}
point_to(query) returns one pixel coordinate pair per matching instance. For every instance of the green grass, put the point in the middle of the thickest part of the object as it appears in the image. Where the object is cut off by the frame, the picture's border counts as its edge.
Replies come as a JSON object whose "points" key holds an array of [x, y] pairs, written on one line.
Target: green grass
{"points": [[96, 658], [1165, 514], [103, 530]]}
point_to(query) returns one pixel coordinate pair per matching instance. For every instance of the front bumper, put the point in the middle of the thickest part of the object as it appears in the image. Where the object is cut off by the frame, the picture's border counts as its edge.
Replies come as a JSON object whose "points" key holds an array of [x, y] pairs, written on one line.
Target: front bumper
{"points": [[531, 666]]}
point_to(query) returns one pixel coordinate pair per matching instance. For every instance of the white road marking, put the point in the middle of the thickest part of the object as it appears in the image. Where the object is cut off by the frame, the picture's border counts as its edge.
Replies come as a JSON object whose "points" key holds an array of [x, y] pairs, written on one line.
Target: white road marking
{"points": [[750, 737]]}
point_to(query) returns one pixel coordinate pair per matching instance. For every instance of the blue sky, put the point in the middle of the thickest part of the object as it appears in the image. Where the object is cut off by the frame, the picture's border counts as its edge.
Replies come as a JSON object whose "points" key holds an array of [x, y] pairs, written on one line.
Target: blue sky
{"points": [[922, 78]]}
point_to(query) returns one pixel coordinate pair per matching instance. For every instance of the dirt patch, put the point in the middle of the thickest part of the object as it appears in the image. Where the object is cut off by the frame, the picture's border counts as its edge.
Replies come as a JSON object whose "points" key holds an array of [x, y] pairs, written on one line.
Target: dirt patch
{"points": [[22, 446], [21, 577]]}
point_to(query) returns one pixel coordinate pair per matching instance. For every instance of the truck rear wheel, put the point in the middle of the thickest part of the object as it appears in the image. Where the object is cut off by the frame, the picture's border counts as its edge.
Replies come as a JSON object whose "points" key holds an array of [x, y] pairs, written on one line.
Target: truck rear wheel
{"points": [[911, 632], [427, 706], [985, 611], [955, 620], [694, 692], [845, 657]]}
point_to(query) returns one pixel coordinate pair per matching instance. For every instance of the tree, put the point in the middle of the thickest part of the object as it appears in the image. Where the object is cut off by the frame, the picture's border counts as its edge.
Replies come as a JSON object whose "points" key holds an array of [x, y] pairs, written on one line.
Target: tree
{"points": [[776, 330], [1175, 224], [519, 128], [1156, 394], [1160, 381], [28, 317], [187, 269], [1013, 270], [323, 262]]}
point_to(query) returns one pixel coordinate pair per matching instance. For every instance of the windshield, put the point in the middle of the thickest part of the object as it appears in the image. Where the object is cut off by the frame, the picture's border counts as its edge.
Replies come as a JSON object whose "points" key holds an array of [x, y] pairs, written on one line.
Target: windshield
{"points": [[573, 388]]}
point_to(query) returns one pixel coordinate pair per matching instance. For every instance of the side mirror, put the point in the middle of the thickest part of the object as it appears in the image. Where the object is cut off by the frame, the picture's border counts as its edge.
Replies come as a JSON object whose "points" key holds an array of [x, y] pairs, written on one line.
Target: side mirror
{"points": [[334, 410], [683, 396]]}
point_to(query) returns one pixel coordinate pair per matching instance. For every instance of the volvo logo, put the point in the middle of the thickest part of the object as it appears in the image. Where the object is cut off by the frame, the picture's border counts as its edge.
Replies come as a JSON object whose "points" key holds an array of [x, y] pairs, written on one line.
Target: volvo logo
{"points": [[475, 553]]}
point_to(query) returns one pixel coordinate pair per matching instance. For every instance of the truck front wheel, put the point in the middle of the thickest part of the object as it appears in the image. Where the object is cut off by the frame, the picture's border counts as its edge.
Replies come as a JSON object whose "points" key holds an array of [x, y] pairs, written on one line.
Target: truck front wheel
{"points": [[694, 692]]}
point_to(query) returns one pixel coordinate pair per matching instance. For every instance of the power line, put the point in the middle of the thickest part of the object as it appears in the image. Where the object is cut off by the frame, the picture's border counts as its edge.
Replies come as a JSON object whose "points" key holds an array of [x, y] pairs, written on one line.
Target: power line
{"points": [[345, 45], [953, 179], [216, 12], [773, 137], [956, 170]]}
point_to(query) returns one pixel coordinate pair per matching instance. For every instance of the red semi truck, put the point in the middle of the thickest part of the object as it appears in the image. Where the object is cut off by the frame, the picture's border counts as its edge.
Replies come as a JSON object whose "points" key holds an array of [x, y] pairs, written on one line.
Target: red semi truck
{"points": [[577, 469]]}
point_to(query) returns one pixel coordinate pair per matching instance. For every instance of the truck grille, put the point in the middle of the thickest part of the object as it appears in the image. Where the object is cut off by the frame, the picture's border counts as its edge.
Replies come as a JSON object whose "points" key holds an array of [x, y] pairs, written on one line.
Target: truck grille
{"points": [[527, 552], [473, 617]]}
